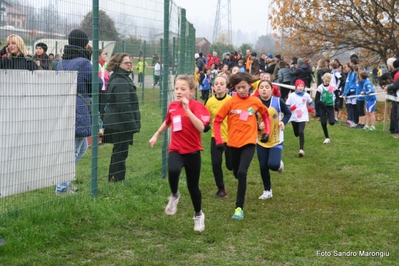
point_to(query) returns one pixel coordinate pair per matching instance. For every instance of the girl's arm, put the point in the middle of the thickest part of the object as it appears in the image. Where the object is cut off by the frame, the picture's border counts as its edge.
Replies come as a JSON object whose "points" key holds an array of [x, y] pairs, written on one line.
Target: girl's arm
{"points": [[154, 137]]}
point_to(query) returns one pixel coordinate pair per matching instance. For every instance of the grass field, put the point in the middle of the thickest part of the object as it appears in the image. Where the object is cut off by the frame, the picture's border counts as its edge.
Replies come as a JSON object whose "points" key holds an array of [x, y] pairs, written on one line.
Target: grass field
{"points": [[335, 206]]}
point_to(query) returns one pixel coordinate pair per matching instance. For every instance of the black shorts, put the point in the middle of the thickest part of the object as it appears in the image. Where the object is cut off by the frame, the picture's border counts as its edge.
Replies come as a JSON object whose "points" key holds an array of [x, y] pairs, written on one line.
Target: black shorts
{"points": [[360, 108]]}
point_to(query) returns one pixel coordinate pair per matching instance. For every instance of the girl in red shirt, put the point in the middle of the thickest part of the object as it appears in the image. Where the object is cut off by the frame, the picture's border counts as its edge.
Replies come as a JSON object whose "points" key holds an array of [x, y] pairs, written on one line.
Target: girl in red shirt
{"points": [[187, 119]]}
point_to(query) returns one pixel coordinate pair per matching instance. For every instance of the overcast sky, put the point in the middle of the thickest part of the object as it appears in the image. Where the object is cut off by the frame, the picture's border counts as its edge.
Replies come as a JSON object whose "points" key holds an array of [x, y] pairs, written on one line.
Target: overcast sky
{"points": [[250, 16]]}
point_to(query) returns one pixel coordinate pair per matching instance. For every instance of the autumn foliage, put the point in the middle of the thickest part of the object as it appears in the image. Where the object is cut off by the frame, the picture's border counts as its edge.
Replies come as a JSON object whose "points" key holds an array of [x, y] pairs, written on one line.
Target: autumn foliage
{"points": [[329, 27]]}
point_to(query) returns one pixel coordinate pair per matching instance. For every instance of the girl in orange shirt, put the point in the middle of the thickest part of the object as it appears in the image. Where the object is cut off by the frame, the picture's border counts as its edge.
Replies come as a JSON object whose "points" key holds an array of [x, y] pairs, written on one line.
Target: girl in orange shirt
{"points": [[241, 111]]}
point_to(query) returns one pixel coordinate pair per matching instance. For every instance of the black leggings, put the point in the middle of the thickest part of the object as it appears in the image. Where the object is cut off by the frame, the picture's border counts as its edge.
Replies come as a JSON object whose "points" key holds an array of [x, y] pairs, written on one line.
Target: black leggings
{"points": [[241, 159], [217, 158], [299, 128], [192, 165], [326, 112]]}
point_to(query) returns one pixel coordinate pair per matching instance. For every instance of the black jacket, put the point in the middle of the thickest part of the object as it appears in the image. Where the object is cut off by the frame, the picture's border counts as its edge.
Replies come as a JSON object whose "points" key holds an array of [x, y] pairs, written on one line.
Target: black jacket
{"points": [[303, 72], [18, 62], [122, 112]]}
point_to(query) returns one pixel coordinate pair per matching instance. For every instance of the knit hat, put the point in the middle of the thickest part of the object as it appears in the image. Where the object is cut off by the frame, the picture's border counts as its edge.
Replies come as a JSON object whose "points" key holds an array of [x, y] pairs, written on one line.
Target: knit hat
{"points": [[354, 55], [42, 45], [270, 56], [278, 56], [276, 91], [299, 81], [196, 56], [78, 37], [396, 63]]}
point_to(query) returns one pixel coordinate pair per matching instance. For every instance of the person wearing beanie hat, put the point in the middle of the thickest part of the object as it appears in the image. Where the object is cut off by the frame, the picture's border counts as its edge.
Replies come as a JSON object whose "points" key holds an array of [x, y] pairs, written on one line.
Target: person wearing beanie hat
{"points": [[270, 152], [41, 59], [78, 37], [395, 64], [42, 45], [300, 104], [77, 58]]}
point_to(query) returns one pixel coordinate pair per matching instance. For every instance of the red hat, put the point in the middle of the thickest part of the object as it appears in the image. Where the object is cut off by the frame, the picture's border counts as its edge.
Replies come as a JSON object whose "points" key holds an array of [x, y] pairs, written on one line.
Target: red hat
{"points": [[276, 91], [299, 81]]}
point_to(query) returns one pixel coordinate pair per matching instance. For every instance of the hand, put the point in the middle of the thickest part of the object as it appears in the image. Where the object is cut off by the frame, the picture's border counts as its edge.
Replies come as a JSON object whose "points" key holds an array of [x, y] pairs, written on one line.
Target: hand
{"points": [[153, 141], [265, 138], [310, 109], [184, 102], [154, 138], [37, 62], [293, 107], [281, 125], [261, 126]]}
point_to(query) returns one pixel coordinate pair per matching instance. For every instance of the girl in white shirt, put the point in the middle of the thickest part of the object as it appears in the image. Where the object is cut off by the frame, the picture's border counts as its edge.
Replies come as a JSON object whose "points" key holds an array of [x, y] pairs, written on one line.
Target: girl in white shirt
{"points": [[300, 104]]}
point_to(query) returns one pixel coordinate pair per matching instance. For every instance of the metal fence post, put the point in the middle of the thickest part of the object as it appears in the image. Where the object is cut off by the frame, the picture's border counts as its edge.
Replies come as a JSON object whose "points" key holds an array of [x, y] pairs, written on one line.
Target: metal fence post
{"points": [[165, 82], [182, 48], [95, 98]]}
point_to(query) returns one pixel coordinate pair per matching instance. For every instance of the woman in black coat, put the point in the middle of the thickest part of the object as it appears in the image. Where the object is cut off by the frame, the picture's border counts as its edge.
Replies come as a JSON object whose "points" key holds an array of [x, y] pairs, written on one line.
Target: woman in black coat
{"points": [[17, 55], [122, 116]]}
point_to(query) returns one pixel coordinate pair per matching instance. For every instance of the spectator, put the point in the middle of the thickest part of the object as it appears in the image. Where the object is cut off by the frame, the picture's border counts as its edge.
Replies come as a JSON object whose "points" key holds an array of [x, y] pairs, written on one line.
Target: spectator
{"points": [[41, 58], [302, 71], [17, 55], [284, 77], [248, 61], [122, 117], [77, 58]]}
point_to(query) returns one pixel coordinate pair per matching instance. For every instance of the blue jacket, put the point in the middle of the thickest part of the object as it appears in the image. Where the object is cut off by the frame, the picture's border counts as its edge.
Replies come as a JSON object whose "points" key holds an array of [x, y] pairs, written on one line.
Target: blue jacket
{"points": [[367, 89], [83, 116], [206, 83], [359, 87], [350, 85]]}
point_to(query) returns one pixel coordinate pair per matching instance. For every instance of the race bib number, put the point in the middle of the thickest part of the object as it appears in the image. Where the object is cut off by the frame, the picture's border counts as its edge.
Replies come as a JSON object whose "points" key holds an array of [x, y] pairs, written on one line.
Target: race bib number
{"points": [[177, 126], [244, 116]]}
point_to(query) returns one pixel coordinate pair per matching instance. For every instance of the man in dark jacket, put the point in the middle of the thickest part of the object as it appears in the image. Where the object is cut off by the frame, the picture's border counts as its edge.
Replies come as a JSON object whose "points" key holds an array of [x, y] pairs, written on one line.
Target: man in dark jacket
{"points": [[77, 58], [303, 72]]}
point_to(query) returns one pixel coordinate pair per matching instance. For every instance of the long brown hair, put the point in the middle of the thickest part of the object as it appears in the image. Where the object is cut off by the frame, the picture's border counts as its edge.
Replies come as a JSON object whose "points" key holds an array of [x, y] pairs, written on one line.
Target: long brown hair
{"points": [[116, 61]]}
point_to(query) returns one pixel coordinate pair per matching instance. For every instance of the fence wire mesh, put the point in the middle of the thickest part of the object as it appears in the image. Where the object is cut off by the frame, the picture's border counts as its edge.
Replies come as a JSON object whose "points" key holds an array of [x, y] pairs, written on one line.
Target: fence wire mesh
{"points": [[49, 86]]}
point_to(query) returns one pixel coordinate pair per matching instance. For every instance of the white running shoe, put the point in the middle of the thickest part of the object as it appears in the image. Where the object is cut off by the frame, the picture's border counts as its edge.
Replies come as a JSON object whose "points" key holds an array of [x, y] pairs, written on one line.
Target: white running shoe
{"points": [[326, 141], [281, 169], [171, 208], [267, 194], [199, 222], [301, 153]]}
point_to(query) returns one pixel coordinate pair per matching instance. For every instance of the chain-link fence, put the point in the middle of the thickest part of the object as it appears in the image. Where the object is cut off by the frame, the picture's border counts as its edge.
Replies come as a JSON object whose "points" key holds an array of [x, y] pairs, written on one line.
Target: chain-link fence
{"points": [[42, 136]]}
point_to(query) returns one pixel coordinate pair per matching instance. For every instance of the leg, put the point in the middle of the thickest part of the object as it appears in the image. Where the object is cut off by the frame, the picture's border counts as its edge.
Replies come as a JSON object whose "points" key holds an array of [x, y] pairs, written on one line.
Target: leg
{"points": [[192, 166], [175, 164], [245, 158], [301, 129], [80, 149], [216, 157], [331, 115], [227, 155], [323, 120], [263, 158], [120, 151]]}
